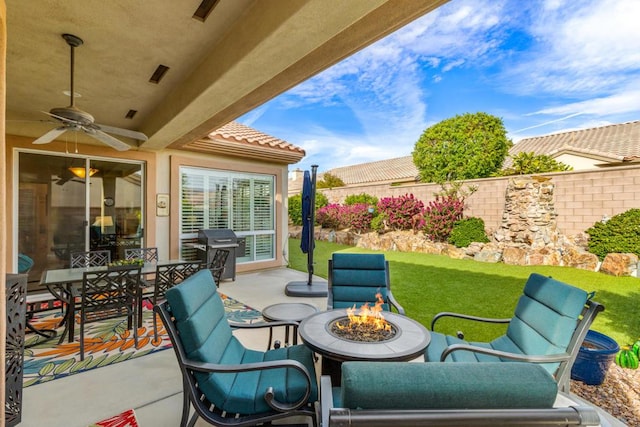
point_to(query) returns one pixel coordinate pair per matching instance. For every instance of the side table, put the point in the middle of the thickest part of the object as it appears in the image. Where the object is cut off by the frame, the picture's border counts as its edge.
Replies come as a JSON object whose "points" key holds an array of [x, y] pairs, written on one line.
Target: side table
{"points": [[288, 312]]}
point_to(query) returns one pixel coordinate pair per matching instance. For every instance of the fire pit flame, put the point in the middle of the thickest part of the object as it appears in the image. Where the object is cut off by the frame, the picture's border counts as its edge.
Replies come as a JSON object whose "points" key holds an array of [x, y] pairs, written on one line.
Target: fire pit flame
{"points": [[367, 316], [365, 324]]}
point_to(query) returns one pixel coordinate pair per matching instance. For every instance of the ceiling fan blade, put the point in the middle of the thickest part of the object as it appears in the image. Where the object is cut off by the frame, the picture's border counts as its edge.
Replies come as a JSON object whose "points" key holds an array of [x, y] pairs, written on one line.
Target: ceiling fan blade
{"points": [[108, 139], [123, 132], [51, 135]]}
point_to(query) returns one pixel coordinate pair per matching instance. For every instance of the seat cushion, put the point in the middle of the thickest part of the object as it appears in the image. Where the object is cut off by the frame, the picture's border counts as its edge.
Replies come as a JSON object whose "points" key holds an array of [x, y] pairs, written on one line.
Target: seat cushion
{"points": [[402, 385], [243, 393]]}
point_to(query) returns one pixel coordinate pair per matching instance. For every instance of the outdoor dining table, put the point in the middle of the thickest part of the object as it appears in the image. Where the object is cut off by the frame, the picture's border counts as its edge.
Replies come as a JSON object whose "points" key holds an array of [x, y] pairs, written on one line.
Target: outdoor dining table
{"points": [[65, 284]]}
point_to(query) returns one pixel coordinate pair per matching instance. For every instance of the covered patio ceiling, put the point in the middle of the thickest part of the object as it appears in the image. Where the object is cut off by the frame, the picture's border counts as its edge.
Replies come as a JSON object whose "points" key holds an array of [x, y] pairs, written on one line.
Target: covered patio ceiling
{"points": [[220, 66]]}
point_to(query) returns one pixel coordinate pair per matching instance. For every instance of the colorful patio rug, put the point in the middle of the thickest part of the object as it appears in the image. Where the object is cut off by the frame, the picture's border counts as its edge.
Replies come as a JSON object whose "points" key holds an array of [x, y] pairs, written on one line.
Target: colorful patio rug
{"points": [[125, 419], [106, 342]]}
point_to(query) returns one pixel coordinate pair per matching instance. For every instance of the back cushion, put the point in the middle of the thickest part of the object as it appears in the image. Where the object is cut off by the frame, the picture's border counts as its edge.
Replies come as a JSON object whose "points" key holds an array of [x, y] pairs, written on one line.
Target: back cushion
{"points": [[201, 321], [357, 278], [546, 315], [402, 385]]}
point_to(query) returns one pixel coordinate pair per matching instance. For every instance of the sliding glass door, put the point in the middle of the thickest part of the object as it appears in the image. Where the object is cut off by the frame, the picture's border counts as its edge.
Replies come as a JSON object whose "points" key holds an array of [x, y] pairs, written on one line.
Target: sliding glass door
{"points": [[68, 203]]}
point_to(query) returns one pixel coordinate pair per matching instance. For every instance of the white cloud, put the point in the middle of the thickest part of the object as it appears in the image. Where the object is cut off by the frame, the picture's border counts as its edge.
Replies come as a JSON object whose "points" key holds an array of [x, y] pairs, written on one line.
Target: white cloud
{"points": [[581, 48]]}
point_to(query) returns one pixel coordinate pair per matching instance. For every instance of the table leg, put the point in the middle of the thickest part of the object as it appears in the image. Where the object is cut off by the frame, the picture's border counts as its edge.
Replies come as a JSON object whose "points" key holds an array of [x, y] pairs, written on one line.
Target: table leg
{"points": [[286, 336], [333, 368]]}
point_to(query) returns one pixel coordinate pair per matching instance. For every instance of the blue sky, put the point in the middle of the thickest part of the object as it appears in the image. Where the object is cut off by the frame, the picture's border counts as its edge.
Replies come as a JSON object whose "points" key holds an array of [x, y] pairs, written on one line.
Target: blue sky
{"points": [[543, 66]]}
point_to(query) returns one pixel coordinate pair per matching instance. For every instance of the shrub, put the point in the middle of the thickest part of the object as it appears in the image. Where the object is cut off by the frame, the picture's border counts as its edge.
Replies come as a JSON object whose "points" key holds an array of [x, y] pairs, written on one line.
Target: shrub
{"points": [[329, 216], [401, 211], [466, 231], [377, 223], [329, 181], [357, 217], [440, 216], [620, 234], [321, 200], [367, 199], [295, 209]]}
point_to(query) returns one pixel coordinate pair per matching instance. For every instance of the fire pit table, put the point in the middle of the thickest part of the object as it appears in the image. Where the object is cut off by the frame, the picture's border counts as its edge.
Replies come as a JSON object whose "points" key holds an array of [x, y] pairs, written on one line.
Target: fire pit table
{"points": [[408, 341]]}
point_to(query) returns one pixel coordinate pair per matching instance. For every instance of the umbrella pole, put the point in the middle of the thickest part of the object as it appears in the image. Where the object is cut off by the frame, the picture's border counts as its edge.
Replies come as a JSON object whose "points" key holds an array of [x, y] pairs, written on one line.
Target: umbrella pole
{"points": [[312, 228], [309, 289]]}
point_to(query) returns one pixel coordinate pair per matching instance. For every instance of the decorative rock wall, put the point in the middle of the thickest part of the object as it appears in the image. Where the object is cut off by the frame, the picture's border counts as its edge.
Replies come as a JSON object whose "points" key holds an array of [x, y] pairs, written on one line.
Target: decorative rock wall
{"points": [[529, 218]]}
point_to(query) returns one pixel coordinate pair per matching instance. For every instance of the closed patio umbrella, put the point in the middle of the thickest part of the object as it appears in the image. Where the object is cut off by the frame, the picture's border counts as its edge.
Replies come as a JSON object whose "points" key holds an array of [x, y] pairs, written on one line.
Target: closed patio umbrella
{"points": [[305, 238], [307, 243]]}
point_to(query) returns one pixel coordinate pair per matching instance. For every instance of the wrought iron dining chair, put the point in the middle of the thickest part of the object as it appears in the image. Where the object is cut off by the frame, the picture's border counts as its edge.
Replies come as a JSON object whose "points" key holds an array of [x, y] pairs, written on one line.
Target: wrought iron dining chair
{"points": [[218, 263], [549, 324], [89, 259], [355, 279], [168, 276], [109, 294], [146, 254]]}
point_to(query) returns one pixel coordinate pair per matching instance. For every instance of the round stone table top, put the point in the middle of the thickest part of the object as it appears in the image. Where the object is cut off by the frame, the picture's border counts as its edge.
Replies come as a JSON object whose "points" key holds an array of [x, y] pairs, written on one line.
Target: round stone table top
{"points": [[409, 342]]}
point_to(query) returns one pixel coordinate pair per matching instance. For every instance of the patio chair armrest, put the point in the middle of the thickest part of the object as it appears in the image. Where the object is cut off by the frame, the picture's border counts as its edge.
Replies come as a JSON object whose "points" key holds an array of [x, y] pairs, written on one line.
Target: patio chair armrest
{"points": [[264, 324], [546, 358], [326, 399], [260, 366], [466, 317], [394, 303]]}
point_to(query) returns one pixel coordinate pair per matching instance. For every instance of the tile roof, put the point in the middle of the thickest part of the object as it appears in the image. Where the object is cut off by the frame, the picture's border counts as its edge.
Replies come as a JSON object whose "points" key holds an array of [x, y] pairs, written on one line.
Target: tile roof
{"points": [[400, 169], [236, 139], [612, 143]]}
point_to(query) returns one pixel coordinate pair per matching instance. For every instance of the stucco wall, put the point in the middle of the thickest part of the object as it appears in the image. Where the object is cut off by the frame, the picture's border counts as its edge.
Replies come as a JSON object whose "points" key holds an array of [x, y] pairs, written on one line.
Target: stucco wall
{"points": [[581, 197]]}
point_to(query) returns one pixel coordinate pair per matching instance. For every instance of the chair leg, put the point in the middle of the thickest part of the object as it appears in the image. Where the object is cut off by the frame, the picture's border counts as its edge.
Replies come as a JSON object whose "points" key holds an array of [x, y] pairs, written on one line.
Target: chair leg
{"points": [[186, 404], [81, 337]]}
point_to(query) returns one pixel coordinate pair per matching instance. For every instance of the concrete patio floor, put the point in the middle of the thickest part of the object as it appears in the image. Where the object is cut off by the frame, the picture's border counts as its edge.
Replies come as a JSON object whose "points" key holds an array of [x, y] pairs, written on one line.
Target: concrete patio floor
{"points": [[150, 385]]}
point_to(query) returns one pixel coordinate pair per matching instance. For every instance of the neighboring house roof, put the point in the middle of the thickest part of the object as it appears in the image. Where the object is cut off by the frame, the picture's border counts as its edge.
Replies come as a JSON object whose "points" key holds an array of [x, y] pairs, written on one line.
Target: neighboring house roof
{"points": [[238, 140], [400, 169], [610, 144]]}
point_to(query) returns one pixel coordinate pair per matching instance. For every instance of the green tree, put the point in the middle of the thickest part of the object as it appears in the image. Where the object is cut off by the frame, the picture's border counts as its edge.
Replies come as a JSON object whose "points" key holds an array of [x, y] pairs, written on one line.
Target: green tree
{"points": [[466, 146], [329, 181], [528, 162]]}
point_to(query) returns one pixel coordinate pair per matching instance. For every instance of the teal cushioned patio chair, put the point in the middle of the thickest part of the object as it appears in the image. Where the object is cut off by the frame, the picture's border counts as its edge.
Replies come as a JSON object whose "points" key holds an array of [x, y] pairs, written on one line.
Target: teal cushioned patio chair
{"points": [[227, 383], [355, 279], [549, 324], [381, 394]]}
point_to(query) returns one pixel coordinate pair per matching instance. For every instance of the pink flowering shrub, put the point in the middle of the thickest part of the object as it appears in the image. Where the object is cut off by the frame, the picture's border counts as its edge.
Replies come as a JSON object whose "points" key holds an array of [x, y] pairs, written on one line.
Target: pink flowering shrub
{"points": [[441, 215], [356, 217], [402, 213], [329, 216]]}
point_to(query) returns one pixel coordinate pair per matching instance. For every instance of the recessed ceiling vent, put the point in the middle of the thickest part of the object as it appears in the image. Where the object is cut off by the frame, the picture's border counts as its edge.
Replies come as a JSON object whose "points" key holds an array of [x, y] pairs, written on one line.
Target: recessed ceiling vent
{"points": [[130, 114], [158, 74], [205, 8]]}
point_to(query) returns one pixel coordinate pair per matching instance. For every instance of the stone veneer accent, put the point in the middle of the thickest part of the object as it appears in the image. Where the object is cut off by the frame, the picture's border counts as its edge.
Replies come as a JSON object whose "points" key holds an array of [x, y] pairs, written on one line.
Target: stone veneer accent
{"points": [[529, 218]]}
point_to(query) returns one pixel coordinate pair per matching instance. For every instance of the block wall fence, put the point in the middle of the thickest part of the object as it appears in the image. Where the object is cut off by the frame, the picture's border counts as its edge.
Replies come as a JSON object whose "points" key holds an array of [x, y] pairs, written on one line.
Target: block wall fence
{"points": [[581, 197]]}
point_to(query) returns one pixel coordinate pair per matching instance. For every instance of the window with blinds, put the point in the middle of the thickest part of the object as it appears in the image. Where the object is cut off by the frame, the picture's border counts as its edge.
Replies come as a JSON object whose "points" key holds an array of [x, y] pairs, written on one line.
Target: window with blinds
{"points": [[242, 202]]}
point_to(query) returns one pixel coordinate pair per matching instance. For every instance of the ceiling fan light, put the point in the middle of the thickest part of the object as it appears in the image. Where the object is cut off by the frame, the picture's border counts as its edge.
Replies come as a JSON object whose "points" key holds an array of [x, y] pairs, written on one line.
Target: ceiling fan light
{"points": [[81, 172]]}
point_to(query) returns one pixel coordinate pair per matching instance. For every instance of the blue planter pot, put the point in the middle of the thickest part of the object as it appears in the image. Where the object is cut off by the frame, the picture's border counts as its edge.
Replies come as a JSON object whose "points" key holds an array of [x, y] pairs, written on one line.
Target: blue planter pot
{"points": [[594, 358]]}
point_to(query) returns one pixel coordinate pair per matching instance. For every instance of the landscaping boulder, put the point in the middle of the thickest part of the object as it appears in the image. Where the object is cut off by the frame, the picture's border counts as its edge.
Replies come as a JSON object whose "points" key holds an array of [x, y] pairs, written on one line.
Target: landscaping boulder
{"points": [[620, 264], [514, 256], [578, 258]]}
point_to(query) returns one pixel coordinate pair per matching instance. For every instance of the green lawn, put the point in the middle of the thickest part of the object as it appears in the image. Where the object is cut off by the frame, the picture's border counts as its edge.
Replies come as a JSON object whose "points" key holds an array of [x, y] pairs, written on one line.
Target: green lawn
{"points": [[427, 284]]}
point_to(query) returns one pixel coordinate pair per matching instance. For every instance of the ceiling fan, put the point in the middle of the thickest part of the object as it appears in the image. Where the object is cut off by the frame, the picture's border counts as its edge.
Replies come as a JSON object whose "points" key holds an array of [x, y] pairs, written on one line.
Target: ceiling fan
{"points": [[74, 119]]}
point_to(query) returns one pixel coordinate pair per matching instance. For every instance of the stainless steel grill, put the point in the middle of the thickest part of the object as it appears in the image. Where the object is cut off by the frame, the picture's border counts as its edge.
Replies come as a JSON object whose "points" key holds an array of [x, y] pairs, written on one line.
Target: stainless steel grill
{"points": [[223, 238]]}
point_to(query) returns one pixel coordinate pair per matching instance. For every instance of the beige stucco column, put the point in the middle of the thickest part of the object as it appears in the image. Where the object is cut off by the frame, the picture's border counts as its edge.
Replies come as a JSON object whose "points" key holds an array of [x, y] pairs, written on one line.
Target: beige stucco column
{"points": [[3, 196]]}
